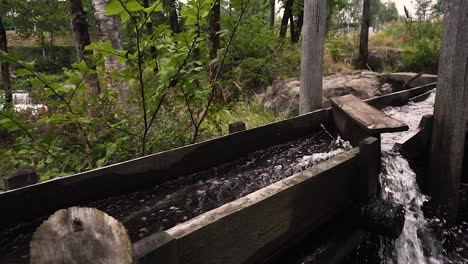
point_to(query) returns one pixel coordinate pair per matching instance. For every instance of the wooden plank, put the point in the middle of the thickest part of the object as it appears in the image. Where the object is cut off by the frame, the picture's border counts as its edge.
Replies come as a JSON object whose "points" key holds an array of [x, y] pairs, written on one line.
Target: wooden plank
{"points": [[255, 226], [366, 116]]}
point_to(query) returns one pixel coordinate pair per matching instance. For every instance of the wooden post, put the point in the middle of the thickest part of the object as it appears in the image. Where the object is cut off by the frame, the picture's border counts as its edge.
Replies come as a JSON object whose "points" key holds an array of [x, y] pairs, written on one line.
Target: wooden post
{"points": [[236, 127], [448, 136], [313, 42], [81, 235], [369, 168]]}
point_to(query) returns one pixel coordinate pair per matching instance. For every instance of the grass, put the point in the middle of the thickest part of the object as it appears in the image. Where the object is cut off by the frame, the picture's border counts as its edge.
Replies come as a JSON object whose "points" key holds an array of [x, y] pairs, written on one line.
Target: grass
{"points": [[16, 40]]}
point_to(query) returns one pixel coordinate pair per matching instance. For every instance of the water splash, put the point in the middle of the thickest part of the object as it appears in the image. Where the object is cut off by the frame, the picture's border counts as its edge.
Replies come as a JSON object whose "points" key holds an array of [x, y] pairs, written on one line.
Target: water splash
{"points": [[417, 243], [399, 186]]}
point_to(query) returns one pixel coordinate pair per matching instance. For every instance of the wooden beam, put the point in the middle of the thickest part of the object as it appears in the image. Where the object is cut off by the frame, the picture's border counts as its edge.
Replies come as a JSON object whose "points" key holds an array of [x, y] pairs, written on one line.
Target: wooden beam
{"points": [[250, 229], [448, 136], [366, 116]]}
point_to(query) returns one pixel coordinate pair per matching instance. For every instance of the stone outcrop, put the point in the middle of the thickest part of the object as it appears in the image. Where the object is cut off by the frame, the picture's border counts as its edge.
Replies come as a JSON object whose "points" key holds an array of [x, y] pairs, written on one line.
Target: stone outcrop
{"points": [[283, 95]]}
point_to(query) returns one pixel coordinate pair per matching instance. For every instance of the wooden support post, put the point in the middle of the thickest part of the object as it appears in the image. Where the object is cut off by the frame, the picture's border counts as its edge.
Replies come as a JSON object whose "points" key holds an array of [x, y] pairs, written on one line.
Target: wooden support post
{"points": [[369, 168], [81, 235], [20, 178], [448, 136], [236, 127], [313, 42]]}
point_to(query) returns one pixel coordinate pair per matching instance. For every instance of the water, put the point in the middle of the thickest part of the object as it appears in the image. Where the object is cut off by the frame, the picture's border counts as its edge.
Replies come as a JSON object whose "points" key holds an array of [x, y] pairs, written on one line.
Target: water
{"points": [[22, 102], [164, 206], [418, 243]]}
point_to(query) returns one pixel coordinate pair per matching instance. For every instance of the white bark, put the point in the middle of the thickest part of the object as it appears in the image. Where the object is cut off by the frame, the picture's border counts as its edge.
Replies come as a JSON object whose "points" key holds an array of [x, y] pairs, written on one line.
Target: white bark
{"points": [[313, 42], [108, 31]]}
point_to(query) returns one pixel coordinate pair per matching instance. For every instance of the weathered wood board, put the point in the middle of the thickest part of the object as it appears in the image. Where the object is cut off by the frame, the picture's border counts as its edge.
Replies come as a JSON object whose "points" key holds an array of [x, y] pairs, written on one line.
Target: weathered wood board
{"points": [[250, 229], [81, 235], [366, 116]]}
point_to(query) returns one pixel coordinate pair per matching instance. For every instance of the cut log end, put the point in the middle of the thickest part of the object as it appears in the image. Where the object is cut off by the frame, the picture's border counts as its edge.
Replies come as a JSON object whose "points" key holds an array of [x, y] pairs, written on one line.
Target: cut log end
{"points": [[81, 235]]}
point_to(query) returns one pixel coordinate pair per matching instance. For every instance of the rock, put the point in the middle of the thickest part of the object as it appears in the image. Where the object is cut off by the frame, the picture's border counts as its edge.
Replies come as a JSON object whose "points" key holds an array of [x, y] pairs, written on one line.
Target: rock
{"points": [[283, 95], [402, 77]]}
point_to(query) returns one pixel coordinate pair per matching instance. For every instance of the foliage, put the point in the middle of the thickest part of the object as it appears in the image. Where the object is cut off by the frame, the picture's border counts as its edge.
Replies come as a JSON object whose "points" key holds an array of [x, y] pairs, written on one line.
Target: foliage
{"points": [[170, 96], [35, 17], [252, 112], [424, 57]]}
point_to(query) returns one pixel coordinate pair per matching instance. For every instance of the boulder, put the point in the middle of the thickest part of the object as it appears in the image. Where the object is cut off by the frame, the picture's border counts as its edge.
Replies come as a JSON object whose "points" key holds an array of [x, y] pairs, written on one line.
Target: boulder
{"points": [[283, 95]]}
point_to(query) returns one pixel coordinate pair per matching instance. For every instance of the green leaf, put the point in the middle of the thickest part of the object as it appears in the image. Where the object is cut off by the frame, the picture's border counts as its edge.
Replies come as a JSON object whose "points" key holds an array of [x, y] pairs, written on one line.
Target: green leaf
{"points": [[114, 7], [156, 7], [134, 6], [23, 72], [124, 16]]}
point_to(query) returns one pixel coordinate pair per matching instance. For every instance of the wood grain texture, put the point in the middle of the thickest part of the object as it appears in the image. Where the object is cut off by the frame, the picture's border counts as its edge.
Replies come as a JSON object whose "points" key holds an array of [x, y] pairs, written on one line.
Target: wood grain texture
{"points": [[450, 111], [313, 42], [250, 229], [81, 235], [366, 116]]}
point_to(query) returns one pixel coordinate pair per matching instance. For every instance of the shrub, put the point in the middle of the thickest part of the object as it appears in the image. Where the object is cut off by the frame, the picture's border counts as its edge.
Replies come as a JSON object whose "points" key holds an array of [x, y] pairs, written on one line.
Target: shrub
{"points": [[424, 57]]}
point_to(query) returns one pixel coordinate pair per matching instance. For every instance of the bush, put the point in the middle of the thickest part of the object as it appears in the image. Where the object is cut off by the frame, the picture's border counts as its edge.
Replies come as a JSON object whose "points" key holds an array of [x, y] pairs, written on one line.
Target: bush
{"points": [[252, 112], [253, 74], [424, 57]]}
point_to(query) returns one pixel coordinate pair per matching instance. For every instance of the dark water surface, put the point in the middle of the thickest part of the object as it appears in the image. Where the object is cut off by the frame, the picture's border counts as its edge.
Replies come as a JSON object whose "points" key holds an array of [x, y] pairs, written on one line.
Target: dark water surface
{"points": [[164, 206]]}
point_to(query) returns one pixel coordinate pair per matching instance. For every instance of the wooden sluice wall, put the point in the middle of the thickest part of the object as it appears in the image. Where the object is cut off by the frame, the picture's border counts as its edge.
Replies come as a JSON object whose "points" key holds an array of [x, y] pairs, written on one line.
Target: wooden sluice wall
{"points": [[243, 231]]}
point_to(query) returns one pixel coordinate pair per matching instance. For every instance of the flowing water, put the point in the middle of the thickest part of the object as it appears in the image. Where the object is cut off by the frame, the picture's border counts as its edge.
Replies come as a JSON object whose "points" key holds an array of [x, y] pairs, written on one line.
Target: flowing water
{"points": [[418, 243], [165, 205], [398, 182], [22, 101]]}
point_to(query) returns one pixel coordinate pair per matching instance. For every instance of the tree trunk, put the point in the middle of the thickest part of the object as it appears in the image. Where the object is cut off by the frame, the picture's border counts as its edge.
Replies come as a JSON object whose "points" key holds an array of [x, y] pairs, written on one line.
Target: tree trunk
{"points": [[82, 39], [313, 42], [364, 38], [108, 31], [5, 66], [450, 113], [296, 35], [284, 22], [272, 14], [292, 30], [170, 6], [43, 46], [215, 27]]}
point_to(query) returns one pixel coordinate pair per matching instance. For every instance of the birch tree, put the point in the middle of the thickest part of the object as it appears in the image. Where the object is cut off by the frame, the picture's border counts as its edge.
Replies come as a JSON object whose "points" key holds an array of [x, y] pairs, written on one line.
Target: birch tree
{"points": [[108, 31]]}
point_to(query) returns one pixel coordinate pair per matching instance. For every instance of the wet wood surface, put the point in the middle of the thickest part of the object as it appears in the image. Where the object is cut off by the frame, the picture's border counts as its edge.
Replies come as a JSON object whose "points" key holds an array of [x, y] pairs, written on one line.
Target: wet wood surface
{"points": [[367, 116]]}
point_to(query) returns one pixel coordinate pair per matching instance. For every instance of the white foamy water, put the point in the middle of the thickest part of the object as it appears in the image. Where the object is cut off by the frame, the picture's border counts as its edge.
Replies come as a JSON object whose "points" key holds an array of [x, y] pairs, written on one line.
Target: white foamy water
{"points": [[22, 102], [411, 115], [416, 244], [399, 186]]}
